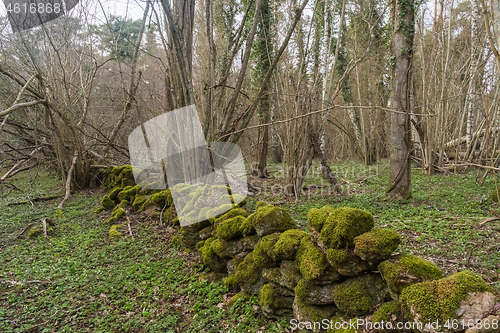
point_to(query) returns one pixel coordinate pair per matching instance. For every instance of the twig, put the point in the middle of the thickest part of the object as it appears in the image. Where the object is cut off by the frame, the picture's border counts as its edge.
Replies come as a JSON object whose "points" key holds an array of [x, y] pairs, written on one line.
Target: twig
{"points": [[476, 165], [44, 224], [129, 229], [24, 230], [34, 200], [490, 220]]}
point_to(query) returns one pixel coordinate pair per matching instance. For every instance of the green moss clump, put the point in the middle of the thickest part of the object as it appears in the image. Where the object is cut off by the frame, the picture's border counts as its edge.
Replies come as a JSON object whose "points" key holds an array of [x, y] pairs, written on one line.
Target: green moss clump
{"points": [[146, 205], [272, 219], [241, 295], [288, 244], [440, 299], [169, 215], [263, 252], [246, 227], [128, 193], [311, 260], [317, 217], [162, 199], [35, 232], [117, 214], [138, 202], [113, 195], [107, 203], [210, 257], [343, 225], [402, 271], [267, 297], [336, 257], [114, 233], [230, 228], [177, 240], [123, 204], [378, 242], [360, 294], [231, 282], [260, 204], [230, 214], [386, 310], [247, 271], [493, 197]]}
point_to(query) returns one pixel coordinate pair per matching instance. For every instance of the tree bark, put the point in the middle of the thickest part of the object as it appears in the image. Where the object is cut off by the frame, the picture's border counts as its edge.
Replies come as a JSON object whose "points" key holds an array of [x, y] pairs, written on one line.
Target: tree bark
{"points": [[403, 25]]}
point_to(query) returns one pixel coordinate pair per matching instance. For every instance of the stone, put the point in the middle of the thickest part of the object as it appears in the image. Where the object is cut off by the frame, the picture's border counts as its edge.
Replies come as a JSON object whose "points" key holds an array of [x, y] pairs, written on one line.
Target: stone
{"points": [[272, 302], [312, 293], [461, 296], [376, 245], [490, 324], [359, 295], [312, 314], [402, 271], [227, 249], [271, 219], [311, 260]]}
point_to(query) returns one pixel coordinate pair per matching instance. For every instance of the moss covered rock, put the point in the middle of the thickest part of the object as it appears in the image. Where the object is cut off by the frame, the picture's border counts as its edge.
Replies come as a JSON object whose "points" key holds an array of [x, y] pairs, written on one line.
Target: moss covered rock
{"points": [[461, 296], [239, 296], [272, 219], [227, 249], [311, 260], [162, 199], [128, 193], [359, 295], [114, 231], [248, 275], [107, 203], [287, 275], [317, 217], [210, 257], [312, 315], [113, 195], [312, 293], [138, 202], [402, 271], [247, 227], [117, 214], [250, 242], [260, 204], [230, 228], [263, 253], [343, 225], [146, 205], [230, 214], [288, 243], [376, 245], [347, 263], [389, 312], [35, 232], [274, 304]]}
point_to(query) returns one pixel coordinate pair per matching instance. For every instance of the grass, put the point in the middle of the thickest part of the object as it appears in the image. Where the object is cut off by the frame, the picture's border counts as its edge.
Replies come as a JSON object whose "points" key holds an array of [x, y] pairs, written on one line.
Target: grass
{"points": [[81, 282]]}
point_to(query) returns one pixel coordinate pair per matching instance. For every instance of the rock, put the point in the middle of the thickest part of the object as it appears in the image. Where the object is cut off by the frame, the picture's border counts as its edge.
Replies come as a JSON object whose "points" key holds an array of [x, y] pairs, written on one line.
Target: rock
{"points": [[346, 263], [312, 314], [247, 227], [253, 288], [316, 218], [162, 199], [288, 243], [230, 214], [360, 294], [247, 273], [128, 193], [271, 219], [402, 271], [263, 252], [138, 202], [312, 293], [311, 260], [461, 296], [230, 228], [343, 225], [260, 204], [329, 275], [117, 214], [389, 312], [114, 231], [273, 303], [287, 275], [376, 245], [210, 258], [206, 232], [107, 203], [490, 324], [250, 241], [227, 249]]}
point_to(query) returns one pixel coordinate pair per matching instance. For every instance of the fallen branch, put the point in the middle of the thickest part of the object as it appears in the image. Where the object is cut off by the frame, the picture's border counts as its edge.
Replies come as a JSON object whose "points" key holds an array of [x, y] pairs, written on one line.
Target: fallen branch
{"points": [[491, 219], [51, 197], [44, 224], [472, 164], [129, 228], [25, 229]]}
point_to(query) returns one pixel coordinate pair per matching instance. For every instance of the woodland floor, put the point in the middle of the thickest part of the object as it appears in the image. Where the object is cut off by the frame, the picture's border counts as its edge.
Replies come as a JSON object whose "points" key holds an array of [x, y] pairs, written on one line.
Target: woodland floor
{"points": [[78, 281]]}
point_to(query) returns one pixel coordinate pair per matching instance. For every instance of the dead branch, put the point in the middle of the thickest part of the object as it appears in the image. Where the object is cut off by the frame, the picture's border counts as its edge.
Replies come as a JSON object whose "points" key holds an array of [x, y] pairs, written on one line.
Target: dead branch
{"points": [[44, 224], [25, 229], [51, 197], [68, 180], [129, 228]]}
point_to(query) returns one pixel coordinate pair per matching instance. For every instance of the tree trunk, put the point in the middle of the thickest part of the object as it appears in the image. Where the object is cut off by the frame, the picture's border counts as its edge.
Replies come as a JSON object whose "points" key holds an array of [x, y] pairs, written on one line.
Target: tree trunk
{"points": [[403, 23]]}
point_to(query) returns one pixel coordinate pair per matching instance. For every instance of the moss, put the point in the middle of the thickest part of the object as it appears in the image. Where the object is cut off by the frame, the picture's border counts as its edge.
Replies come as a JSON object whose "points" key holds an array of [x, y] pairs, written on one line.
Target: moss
{"points": [[231, 282], [381, 242], [230, 228], [123, 204], [232, 213], [386, 310], [263, 251], [260, 204], [247, 271], [272, 219], [162, 199], [317, 217], [246, 228], [402, 271], [138, 202], [146, 205], [493, 197], [35, 232], [440, 299], [209, 257], [241, 295], [360, 294], [128, 193], [199, 244], [114, 233], [313, 313], [288, 244], [107, 203], [117, 214], [267, 296], [177, 240], [343, 225], [336, 257], [311, 260], [113, 195]]}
